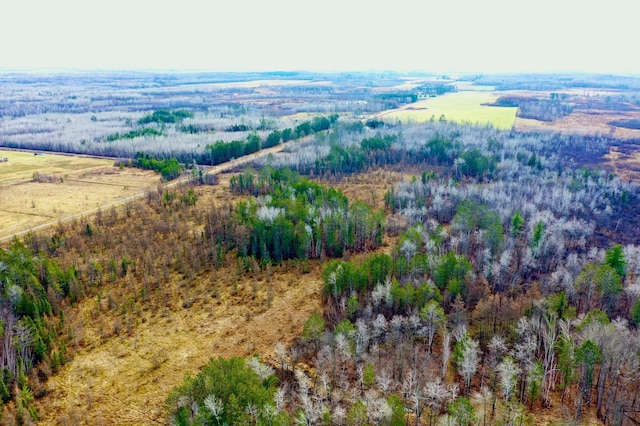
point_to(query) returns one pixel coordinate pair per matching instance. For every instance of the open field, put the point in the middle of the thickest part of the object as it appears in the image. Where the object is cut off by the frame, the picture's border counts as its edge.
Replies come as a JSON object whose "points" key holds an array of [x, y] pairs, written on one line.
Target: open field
{"points": [[125, 380], [624, 161], [78, 184], [584, 122], [462, 107]]}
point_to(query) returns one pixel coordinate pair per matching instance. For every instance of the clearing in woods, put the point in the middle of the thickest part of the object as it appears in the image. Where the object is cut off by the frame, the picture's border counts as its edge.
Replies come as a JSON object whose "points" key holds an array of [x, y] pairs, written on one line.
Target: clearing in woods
{"points": [[126, 379], [466, 106], [69, 185]]}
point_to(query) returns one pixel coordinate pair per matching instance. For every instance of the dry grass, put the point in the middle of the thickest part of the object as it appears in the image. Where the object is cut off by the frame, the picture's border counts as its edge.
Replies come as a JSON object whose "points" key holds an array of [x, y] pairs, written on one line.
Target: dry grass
{"points": [[591, 122], [624, 163], [80, 184], [369, 187], [125, 379]]}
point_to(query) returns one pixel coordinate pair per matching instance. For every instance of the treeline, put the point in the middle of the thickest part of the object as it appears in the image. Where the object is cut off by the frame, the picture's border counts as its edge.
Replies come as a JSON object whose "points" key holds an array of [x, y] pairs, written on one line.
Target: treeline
{"points": [[394, 100], [435, 89], [169, 168], [374, 151], [379, 151], [32, 328], [537, 109], [221, 151], [134, 134], [196, 128]]}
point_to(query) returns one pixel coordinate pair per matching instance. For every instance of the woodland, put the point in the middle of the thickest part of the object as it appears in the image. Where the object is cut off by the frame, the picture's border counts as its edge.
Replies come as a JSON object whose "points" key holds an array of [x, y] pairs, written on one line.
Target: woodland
{"points": [[495, 281]]}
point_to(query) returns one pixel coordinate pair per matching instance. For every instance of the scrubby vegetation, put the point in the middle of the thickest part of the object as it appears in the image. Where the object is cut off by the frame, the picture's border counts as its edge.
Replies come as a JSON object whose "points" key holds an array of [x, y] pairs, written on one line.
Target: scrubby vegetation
{"points": [[499, 283]]}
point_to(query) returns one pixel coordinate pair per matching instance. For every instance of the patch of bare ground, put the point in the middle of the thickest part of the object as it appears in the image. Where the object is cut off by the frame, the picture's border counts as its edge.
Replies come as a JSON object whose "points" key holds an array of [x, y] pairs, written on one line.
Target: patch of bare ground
{"points": [[624, 161], [369, 187], [127, 366], [591, 122]]}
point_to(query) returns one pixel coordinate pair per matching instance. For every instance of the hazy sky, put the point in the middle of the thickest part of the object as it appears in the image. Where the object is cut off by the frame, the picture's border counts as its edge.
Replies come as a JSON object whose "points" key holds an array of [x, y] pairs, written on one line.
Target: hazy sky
{"points": [[443, 36]]}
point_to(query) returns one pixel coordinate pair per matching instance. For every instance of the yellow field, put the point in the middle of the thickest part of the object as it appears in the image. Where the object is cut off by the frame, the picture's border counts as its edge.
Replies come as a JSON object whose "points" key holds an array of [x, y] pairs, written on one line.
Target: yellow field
{"points": [[462, 107], [78, 185]]}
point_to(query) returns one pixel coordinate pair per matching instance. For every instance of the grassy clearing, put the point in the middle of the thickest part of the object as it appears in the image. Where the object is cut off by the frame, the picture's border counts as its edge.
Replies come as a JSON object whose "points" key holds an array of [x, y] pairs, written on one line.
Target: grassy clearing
{"points": [[462, 107], [78, 185], [22, 165], [125, 380]]}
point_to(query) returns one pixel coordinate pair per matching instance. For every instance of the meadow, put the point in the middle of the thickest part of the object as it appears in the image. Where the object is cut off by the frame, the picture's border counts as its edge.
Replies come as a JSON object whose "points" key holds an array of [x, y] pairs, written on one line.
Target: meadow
{"points": [[42, 189], [462, 107]]}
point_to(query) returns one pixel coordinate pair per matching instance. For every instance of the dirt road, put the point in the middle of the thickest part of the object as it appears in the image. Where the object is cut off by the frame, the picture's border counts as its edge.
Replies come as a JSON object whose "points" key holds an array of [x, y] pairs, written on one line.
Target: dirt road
{"points": [[213, 170]]}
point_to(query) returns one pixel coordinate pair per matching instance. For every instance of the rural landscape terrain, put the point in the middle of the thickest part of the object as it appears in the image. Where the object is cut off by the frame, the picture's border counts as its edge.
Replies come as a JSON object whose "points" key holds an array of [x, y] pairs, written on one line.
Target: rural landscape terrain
{"points": [[298, 248]]}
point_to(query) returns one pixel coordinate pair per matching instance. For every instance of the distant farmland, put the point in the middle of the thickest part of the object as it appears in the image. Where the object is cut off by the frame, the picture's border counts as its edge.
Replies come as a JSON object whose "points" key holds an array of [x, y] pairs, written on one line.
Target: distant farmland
{"points": [[461, 107]]}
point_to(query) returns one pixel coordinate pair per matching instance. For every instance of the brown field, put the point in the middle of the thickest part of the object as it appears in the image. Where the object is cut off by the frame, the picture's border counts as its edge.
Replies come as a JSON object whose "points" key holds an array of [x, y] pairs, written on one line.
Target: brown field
{"points": [[126, 379], [586, 118], [79, 185], [590, 122], [624, 161]]}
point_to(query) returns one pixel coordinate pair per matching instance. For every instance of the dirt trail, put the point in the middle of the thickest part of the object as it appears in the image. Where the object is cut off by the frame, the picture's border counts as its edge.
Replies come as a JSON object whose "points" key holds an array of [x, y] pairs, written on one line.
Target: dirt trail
{"points": [[214, 170]]}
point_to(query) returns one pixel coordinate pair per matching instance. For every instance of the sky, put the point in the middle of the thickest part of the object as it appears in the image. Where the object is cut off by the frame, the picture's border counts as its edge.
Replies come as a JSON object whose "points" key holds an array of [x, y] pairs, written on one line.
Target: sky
{"points": [[444, 36]]}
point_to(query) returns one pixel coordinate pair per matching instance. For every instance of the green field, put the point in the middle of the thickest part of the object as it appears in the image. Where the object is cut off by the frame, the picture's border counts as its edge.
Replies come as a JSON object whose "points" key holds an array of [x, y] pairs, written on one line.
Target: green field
{"points": [[461, 107]]}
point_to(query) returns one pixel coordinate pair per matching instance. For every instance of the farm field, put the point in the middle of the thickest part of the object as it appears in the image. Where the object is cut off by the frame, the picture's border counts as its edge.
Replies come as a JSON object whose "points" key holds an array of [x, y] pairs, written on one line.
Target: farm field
{"points": [[78, 185], [461, 107]]}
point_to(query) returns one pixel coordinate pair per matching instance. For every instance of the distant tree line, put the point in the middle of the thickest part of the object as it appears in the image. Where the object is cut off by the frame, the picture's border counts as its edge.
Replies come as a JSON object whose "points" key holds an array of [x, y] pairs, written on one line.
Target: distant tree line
{"points": [[221, 151], [435, 89], [134, 134], [536, 109]]}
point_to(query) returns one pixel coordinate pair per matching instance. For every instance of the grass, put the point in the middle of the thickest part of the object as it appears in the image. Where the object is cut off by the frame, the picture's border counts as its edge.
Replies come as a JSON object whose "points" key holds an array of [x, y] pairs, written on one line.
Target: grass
{"points": [[462, 107], [79, 184], [22, 165], [128, 377]]}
